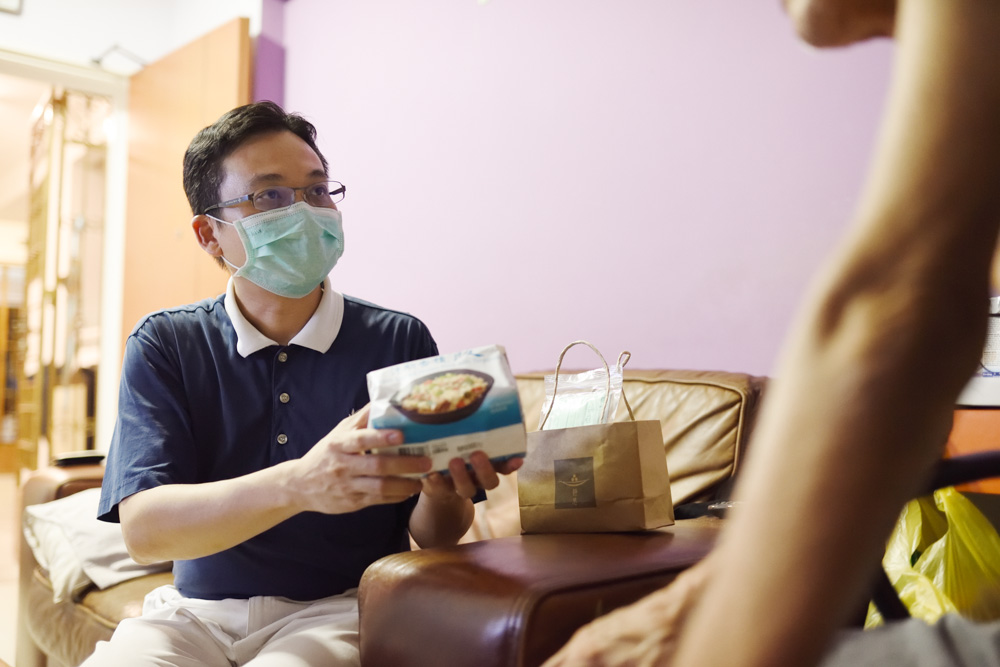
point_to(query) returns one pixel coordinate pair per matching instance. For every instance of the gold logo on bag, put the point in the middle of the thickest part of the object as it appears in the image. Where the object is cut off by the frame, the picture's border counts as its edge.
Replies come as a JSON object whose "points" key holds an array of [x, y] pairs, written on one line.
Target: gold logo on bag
{"points": [[574, 480]]}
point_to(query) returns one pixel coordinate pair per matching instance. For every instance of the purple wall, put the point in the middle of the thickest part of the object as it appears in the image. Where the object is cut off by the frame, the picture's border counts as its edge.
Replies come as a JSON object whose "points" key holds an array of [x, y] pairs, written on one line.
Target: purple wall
{"points": [[663, 177], [269, 54]]}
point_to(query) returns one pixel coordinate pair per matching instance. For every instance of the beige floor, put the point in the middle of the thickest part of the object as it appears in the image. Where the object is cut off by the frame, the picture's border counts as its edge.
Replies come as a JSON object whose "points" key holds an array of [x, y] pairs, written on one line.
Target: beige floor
{"points": [[9, 526]]}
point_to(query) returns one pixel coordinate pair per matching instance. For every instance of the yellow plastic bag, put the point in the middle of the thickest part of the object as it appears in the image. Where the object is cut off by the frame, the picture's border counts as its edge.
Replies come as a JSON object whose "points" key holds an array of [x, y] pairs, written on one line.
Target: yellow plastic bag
{"points": [[943, 556]]}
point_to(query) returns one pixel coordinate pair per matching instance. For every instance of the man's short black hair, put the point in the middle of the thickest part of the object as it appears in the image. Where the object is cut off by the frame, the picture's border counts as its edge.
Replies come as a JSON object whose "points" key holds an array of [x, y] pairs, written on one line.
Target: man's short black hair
{"points": [[212, 145]]}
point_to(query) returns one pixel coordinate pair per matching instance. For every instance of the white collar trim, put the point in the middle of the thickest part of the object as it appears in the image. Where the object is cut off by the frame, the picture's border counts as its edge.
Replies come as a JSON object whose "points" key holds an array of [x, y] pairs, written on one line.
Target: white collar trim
{"points": [[318, 333]]}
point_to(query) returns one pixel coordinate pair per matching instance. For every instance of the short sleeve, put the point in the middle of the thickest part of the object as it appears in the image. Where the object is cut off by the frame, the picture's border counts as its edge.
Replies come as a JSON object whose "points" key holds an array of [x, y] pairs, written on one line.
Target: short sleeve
{"points": [[152, 443]]}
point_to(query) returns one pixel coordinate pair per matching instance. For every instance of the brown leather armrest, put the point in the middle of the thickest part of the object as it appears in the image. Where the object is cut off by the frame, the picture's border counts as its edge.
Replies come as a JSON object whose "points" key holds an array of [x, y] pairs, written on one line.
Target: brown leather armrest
{"points": [[513, 601], [56, 482]]}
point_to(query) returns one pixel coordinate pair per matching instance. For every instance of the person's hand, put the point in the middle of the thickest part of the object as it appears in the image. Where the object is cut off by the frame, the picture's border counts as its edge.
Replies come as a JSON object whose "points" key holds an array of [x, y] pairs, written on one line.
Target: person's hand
{"points": [[642, 634], [462, 482], [337, 476]]}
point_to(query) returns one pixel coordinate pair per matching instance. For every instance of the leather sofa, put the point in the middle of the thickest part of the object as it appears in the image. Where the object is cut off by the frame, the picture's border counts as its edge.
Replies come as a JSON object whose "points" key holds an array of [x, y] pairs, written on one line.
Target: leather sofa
{"points": [[499, 598]]}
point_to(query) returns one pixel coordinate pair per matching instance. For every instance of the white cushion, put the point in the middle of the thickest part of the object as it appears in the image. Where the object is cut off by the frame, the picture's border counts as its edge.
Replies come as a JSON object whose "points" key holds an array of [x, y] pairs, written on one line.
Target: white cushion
{"points": [[75, 548]]}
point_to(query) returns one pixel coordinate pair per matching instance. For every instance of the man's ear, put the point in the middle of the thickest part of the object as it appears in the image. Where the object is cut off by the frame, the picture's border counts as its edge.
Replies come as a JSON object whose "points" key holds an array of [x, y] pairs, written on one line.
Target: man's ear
{"points": [[204, 231]]}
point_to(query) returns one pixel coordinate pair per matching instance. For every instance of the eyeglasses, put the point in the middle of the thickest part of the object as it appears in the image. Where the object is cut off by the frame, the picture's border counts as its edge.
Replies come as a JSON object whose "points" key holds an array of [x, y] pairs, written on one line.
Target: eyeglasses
{"points": [[324, 193]]}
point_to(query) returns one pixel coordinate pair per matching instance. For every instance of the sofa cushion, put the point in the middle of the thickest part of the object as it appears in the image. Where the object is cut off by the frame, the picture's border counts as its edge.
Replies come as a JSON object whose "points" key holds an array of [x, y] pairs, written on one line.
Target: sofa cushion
{"points": [[68, 632], [77, 549]]}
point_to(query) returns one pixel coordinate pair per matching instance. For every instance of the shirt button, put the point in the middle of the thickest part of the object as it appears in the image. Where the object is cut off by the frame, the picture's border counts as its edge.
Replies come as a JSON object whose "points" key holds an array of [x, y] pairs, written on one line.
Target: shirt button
{"points": [[284, 397], [282, 357], [282, 438]]}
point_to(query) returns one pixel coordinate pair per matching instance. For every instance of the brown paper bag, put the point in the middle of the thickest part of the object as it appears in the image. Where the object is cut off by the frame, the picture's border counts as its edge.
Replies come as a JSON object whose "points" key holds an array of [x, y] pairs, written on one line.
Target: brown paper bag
{"points": [[594, 479]]}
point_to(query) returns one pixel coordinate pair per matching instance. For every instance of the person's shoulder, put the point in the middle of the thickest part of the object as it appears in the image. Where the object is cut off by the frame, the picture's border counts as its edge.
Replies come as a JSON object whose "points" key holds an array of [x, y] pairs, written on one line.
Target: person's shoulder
{"points": [[372, 312], [364, 320], [179, 317]]}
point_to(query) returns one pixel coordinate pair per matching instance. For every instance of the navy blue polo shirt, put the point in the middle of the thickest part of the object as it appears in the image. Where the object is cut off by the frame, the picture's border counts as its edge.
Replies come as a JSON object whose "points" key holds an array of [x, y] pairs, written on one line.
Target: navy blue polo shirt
{"points": [[192, 409]]}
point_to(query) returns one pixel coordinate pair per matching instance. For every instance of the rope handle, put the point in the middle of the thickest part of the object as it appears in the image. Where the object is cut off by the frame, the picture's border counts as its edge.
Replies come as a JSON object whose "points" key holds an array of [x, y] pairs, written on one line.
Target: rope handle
{"points": [[623, 359]]}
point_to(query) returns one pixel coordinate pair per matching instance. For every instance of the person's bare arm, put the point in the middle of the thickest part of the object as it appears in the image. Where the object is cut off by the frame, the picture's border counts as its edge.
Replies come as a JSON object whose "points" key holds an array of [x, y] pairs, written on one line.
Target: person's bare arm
{"points": [[643, 633], [863, 397], [184, 521]]}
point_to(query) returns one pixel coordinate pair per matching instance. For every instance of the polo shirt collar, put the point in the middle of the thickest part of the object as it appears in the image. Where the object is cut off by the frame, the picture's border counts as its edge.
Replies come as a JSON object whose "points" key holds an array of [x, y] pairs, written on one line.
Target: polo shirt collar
{"points": [[318, 333]]}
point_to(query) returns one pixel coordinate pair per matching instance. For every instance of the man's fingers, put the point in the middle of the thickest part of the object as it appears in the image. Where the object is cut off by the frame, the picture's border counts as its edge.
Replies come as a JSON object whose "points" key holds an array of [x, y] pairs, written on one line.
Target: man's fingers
{"points": [[483, 470], [354, 421], [363, 440], [391, 489], [508, 466], [389, 465], [366, 491], [436, 484], [464, 485], [480, 473]]}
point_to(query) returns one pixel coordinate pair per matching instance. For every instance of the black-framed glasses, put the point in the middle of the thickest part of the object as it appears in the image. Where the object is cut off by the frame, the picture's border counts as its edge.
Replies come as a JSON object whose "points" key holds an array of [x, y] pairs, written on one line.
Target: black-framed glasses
{"points": [[324, 193]]}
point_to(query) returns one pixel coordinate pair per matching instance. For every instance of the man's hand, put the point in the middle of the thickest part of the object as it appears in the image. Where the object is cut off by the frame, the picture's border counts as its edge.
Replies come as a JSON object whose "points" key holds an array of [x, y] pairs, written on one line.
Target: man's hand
{"points": [[464, 483], [445, 510], [639, 635], [337, 476], [185, 521]]}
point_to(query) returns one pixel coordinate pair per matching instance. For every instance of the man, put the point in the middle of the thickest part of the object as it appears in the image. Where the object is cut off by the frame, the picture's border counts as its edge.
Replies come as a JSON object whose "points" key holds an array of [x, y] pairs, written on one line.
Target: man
{"points": [[223, 459], [862, 401]]}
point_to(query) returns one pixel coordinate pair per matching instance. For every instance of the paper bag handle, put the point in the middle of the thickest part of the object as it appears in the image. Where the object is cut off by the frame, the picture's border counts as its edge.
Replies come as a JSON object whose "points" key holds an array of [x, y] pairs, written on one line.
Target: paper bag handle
{"points": [[623, 359]]}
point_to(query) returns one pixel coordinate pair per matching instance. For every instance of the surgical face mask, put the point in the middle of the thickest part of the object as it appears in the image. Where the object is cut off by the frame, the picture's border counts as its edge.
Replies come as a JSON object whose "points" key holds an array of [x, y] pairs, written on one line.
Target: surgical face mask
{"points": [[289, 250]]}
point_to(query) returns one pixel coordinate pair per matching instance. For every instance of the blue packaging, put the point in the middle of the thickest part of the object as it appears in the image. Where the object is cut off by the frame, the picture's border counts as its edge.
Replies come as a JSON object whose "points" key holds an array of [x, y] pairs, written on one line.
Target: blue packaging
{"points": [[450, 406]]}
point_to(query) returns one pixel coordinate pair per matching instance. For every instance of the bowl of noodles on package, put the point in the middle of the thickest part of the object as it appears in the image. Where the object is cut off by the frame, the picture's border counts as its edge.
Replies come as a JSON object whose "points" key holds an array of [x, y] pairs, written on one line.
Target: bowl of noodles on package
{"points": [[450, 406]]}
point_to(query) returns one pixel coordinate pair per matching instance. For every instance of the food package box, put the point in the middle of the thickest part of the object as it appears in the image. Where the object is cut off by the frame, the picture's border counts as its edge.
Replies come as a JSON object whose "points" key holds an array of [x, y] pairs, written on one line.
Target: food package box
{"points": [[450, 406]]}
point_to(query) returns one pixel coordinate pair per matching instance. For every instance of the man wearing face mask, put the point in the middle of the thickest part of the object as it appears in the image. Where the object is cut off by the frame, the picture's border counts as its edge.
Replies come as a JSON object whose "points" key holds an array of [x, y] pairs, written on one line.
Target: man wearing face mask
{"points": [[240, 447]]}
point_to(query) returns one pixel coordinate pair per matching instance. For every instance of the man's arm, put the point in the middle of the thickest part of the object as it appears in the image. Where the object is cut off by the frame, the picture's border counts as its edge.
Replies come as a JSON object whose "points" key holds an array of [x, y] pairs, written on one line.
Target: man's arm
{"points": [[184, 521], [862, 401], [445, 511]]}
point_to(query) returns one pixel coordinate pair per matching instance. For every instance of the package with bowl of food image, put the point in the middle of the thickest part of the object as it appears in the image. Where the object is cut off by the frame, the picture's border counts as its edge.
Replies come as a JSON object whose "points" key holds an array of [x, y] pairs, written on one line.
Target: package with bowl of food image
{"points": [[450, 406]]}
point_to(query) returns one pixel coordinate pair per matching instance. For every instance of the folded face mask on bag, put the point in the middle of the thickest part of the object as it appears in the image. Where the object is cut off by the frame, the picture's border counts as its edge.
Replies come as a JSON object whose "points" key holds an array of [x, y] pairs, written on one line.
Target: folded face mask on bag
{"points": [[586, 398], [450, 406]]}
